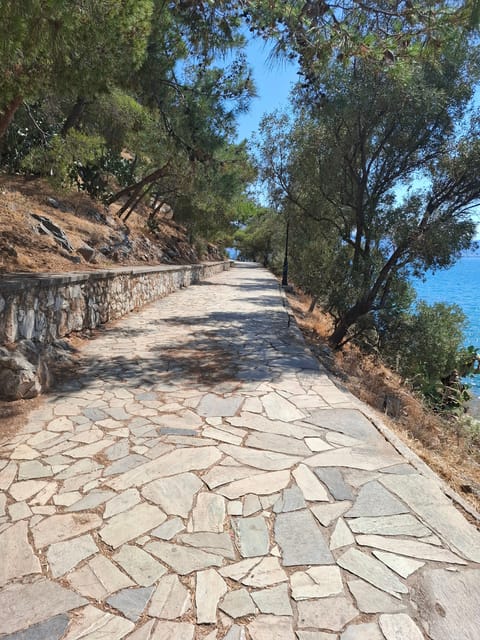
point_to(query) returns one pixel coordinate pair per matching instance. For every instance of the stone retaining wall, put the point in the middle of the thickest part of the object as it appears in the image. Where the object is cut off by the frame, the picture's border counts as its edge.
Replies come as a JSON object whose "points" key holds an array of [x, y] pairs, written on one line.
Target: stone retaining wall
{"points": [[44, 308]]}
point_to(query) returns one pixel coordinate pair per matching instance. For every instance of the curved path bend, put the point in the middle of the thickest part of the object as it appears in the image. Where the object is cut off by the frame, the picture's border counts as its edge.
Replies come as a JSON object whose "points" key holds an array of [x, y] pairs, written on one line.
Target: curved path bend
{"points": [[202, 478]]}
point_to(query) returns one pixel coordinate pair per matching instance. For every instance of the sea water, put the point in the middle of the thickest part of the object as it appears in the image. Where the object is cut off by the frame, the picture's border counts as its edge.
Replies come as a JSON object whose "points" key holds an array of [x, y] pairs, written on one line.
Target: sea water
{"points": [[458, 285]]}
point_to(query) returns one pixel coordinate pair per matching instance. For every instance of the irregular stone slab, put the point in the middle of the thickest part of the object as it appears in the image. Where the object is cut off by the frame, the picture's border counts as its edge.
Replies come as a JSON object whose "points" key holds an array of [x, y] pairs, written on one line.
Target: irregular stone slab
{"points": [[33, 469], [218, 476], [401, 469], [210, 588], [427, 500], [131, 602], [183, 560], [261, 628], [256, 422], [174, 494], [371, 600], [216, 543], [168, 529], [52, 629], [234, 633], [292, 500], [145, 632], [139, 565], [410, 548], [91, 501], [317, 444], [173, 631], [64, 556], [449, 603], [309, 484], [341, 536], [399, 626], [262, 484], [267, 572], [301, 540], [367, 630], [223, 436], [98, 578], [401, 565], [7, 475], [372, 571], [266, 460], [117, 450], [326, 613], [122, 502], [24, 452], [327, 513], [252, 536], [171, 599], [26, 489], [240, 569], [274, 600], [213, 405], [374, 500], [17, 557], [278, 408], [170, 464], [62, 527], [95, 623], [251, 505], [131, 524], [184, 420], [209, 513], [367, 458], [276, 442], [402, 525], [125, 464], [89, 450], [335, 483], [348, 421], [237, 604], [23, 605]]}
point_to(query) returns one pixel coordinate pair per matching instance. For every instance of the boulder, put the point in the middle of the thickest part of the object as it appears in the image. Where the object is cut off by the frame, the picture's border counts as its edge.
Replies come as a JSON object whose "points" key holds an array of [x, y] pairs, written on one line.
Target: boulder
{"points": [[49, 228], [23, 372], [87, 252]]}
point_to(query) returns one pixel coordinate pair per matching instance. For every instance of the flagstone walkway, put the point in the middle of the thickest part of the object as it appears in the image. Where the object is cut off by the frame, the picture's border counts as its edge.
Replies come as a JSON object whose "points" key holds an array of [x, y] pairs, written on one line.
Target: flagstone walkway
{"points": [[202, 478]]}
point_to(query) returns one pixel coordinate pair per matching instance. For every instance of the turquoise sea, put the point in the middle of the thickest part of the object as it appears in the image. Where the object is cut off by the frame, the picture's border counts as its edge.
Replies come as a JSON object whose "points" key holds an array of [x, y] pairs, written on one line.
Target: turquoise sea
{"points": [[458, 285]]}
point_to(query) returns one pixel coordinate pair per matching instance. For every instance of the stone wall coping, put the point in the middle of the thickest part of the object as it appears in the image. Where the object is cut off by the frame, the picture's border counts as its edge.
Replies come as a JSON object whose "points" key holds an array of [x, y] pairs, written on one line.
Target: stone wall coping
{"points": [[26, 280]]}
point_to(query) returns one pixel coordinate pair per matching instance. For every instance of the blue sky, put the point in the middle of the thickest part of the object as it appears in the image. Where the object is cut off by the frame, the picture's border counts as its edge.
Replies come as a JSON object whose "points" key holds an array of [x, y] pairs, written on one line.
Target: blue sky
{"points": [[273, 80]]}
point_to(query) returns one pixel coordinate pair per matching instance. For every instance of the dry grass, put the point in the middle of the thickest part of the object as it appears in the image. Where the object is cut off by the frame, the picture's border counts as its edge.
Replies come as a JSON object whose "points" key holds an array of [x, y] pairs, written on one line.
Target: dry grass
{"points": [[441, 443]]}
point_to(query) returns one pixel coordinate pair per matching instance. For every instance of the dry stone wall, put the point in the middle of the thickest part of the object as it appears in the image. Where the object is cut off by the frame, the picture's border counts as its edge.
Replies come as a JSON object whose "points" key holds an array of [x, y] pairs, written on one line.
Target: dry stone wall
{"points": [[38, 310]]}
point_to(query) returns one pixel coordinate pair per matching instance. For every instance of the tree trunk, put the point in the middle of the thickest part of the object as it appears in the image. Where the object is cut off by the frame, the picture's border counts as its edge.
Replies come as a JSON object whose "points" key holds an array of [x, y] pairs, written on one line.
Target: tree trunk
{"points": [[9, 113], [136, 186], [337, 340], [74, 116], [313, 304]]}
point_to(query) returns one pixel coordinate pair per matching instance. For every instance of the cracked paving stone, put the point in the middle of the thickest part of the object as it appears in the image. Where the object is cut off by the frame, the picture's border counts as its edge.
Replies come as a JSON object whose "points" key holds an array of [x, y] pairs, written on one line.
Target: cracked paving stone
{"points": [[266, 460], [213, 405], [62, 527], [64, 556], [262, 484], [121, 502], [98, 578], [316, 582], [335, 483], [401, 525], [217, 543], [24, 490], [274, 600], [139, 565], [301, 540], [326, 613], [236, 632], [52, 629], [267, 572], [91, 501], [291, 500], [350, 422], [168, 529], [341, 536], [219, 476], [124, 464], [327, 513], [261, 628], [131, 524], [171, 599], [238, 570], [131, 602], [399, 626], [17, 556], [278, 408], [237, 604], [366, 458], [252, 536], [33, 469], [309, 484], [410, 548], [210, 588], [175, 494], [373, 571], [371, 600], [91, 622], [23, 605], [401, 565], [183, 560], [276, 442]]}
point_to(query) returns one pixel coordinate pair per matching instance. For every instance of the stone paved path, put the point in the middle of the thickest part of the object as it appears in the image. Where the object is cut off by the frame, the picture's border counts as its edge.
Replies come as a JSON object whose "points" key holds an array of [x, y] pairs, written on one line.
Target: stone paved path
{"points": [[202, 479]]}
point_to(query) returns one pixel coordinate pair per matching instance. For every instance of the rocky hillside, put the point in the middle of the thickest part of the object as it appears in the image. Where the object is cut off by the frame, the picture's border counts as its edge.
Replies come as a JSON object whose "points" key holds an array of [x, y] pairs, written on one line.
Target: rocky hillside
{"points": [[41, 230]]}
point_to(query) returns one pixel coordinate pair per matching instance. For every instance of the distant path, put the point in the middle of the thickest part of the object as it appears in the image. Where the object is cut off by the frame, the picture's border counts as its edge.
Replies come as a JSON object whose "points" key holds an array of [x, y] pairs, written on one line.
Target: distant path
{"points": [[201, 478]]}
